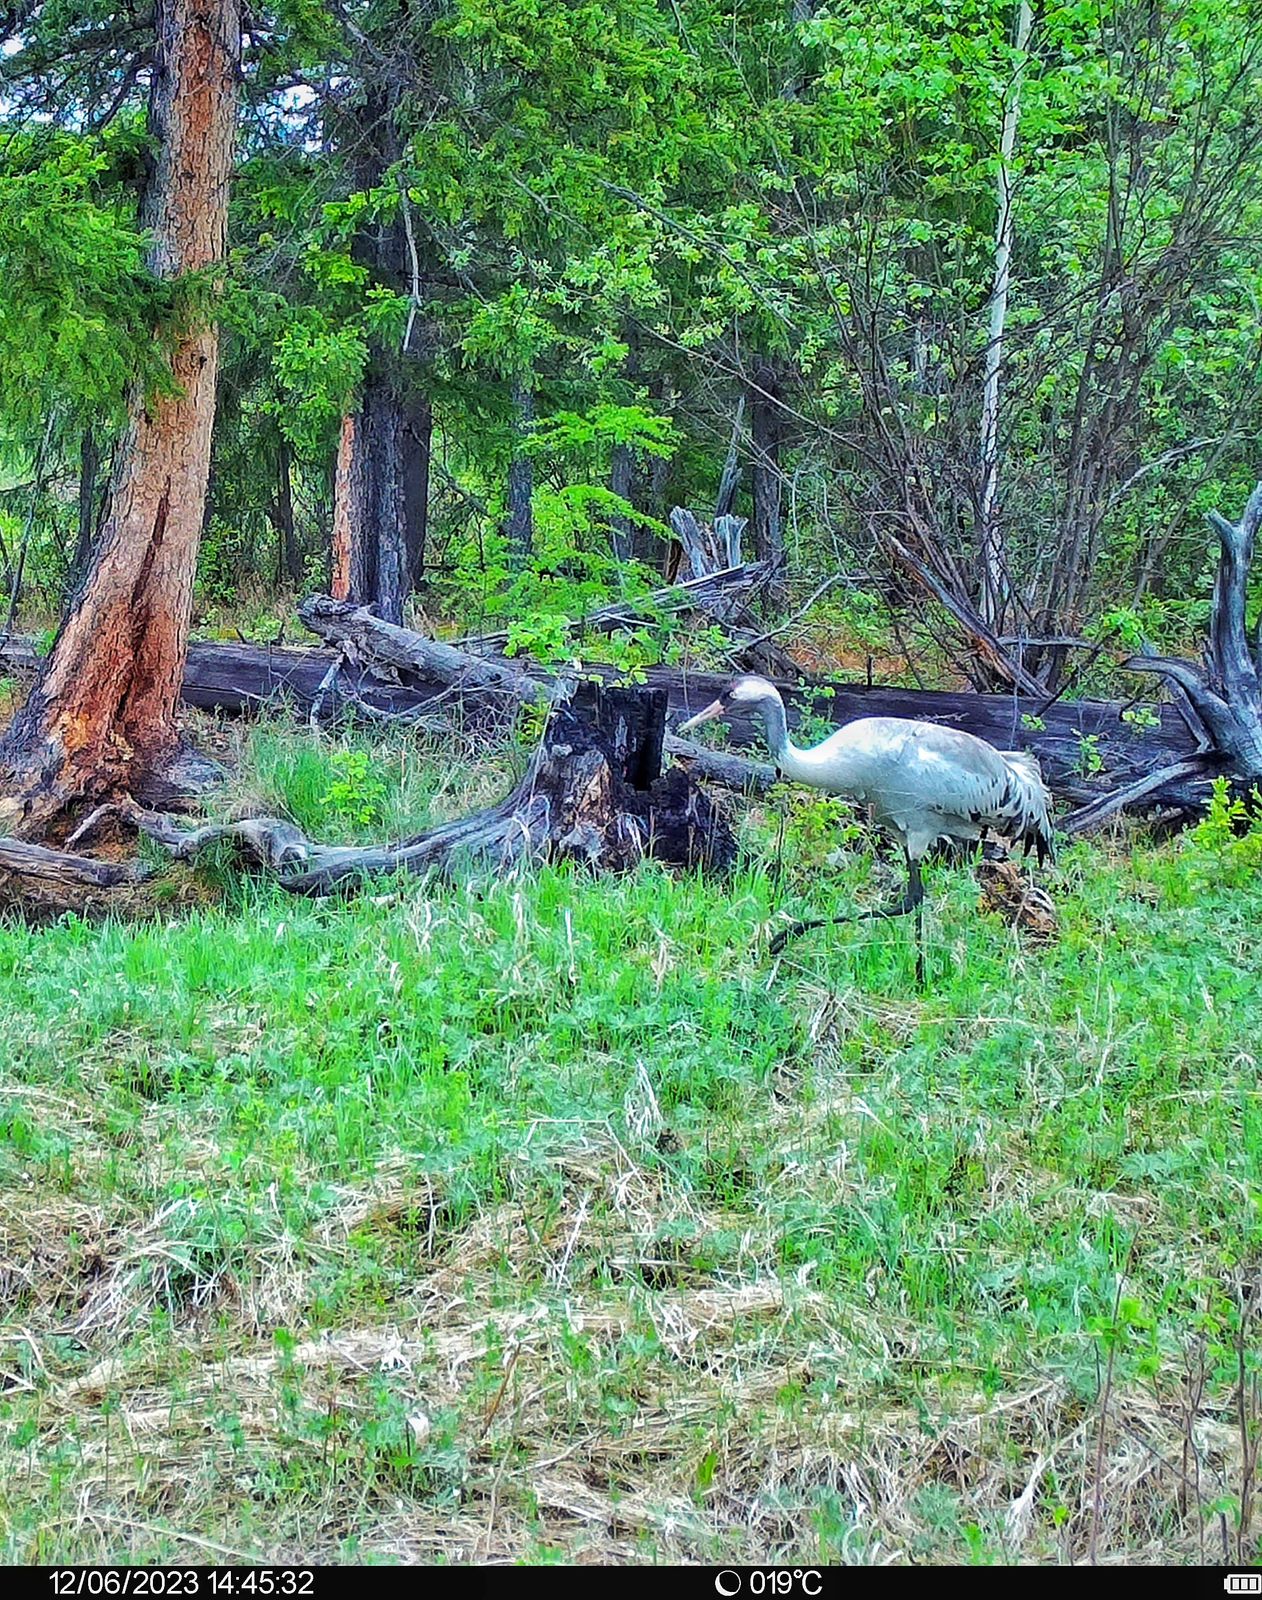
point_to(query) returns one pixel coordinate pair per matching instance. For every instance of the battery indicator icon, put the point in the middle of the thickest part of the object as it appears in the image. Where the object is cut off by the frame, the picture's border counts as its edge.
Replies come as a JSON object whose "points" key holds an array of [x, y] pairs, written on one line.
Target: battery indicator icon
{"points": [[1243, 1583]]}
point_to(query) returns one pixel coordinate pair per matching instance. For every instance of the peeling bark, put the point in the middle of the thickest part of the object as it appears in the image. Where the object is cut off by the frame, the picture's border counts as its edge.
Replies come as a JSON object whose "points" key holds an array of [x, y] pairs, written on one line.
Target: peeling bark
{"points": [[101, 718], [340, 564]]}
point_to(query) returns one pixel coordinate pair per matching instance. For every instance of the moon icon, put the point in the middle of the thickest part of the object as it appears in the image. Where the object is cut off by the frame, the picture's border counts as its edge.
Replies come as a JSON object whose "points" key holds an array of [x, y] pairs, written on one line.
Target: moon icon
{"points": [[727, 1582]]}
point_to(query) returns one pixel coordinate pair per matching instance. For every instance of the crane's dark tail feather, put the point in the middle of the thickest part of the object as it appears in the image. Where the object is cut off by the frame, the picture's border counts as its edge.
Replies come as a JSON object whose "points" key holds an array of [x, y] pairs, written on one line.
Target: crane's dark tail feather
{"points": [[1031, 809]]}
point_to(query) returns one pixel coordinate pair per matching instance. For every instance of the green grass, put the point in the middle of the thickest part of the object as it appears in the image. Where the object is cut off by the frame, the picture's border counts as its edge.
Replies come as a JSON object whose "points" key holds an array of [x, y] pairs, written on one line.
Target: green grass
{"points": [[548, 1219]]}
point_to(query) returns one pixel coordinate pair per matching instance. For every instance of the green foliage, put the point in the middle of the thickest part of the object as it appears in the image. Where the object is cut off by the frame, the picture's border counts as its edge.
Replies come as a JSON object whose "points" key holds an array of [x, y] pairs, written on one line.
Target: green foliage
{"points": [[1090, 759], [357, 792], [1141, 717], [80, 309], [1228, 839], [816, 825]]}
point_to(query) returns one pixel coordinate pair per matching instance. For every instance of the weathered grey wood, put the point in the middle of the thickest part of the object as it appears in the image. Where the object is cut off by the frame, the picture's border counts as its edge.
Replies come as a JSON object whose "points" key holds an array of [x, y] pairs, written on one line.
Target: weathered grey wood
{"points": [[383, 644], [25, 860], [267, 841], [1225, 694], [730, 477], [720, 766], [1109, 805], [714, 549], [709, 549], [45, 883], [727, 535]]}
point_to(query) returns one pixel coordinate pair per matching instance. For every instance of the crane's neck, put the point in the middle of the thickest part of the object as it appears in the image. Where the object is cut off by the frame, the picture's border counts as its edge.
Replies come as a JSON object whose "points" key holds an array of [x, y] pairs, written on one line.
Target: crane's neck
{"points": [[776, 726], [832, 768], [792, 762]]}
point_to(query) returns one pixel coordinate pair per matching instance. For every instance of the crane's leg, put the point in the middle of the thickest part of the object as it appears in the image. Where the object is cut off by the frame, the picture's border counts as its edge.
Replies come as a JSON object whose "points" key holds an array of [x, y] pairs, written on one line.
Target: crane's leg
{"points": [[778, 870], [913, 900]]}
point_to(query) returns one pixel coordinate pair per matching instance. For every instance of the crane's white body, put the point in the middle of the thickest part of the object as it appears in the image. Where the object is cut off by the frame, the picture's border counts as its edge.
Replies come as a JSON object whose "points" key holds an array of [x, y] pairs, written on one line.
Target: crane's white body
{"points": [[924, 782]]}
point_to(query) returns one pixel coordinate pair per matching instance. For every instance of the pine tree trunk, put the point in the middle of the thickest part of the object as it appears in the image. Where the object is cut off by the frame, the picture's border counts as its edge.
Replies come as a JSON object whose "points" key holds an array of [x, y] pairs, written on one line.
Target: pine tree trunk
{"points": [[519, 526], [376, 501], [340, 554], [101, 719], [383, 459], [994, 566], [89, 467]]}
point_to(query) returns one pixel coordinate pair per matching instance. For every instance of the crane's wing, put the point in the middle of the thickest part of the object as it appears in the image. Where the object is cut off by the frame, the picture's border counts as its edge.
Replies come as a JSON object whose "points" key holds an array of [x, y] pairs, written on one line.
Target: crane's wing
{"points": [[928, 779]]}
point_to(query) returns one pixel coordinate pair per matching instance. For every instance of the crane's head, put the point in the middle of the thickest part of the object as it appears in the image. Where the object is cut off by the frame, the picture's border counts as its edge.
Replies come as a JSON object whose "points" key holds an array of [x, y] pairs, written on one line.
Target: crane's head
{"points": [[745, 692]]}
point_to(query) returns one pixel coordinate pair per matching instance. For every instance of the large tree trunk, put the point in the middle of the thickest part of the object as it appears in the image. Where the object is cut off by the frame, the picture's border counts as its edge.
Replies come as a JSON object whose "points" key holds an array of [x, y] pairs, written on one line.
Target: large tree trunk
{"points": [[378, 544], [340, 554], [388, 448], [102, 716]]}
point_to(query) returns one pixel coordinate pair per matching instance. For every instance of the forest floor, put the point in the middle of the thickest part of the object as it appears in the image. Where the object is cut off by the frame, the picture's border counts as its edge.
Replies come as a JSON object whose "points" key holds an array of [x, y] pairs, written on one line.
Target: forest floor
{"points": [[551, 1220]]}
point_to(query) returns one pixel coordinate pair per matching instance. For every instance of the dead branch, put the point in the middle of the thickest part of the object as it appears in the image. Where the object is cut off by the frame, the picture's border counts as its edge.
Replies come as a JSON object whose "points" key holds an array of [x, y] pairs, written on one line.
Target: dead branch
{"points": [[385, 645], [1225, 693]]}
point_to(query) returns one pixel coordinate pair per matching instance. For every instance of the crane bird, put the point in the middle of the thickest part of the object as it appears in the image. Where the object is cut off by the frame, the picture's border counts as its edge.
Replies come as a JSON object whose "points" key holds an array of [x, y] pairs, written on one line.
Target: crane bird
{"points": [[923, 782]]}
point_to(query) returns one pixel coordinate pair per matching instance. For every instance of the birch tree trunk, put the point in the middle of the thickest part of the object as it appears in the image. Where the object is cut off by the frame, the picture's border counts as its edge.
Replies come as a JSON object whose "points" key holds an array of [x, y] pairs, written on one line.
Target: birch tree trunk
{"points": [[994, 573], [101, 718]]}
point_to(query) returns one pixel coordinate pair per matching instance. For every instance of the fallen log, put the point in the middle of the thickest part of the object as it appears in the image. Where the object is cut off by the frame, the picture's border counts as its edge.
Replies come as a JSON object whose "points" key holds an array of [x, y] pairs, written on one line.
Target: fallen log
{"points": [[53, 881], [1086, 749], [1066, 751], [362, 636], [720, 766]]}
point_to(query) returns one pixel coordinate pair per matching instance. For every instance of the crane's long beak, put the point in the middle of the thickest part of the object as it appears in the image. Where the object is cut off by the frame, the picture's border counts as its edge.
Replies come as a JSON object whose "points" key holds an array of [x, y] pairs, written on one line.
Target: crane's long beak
{"points": [[716, 708]]}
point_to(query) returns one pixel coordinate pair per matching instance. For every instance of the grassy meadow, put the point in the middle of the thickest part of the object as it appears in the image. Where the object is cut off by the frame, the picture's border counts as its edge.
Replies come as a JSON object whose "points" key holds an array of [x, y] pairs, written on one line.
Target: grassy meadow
{"points": [[549, 1219]]}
